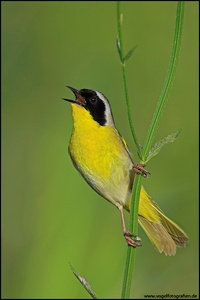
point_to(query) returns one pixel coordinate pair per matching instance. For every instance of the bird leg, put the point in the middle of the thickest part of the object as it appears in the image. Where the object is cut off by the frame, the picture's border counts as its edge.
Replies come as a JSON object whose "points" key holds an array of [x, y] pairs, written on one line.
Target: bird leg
{"points": [[138, 168], [131, 238]]}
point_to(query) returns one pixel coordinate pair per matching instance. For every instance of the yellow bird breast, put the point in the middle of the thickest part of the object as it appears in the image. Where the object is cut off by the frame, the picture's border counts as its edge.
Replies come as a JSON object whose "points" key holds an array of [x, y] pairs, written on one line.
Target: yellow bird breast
{"points": [[100, 156]]}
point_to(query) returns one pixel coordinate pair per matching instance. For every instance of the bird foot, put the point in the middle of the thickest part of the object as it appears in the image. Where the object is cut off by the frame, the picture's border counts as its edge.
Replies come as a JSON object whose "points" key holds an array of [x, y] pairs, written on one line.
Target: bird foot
{"points": [[132, 240], [138, 168]]}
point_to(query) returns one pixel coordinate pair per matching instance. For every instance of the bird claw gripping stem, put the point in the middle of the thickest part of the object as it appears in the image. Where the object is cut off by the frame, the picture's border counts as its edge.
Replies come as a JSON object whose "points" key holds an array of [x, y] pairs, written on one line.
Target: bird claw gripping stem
{"points": [[132, 240], [139, 169]]}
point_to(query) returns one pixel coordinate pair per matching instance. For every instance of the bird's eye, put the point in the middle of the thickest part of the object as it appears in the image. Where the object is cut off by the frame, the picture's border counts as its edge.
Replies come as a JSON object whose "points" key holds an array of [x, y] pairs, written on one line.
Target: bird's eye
{"points": [[93, 100]]}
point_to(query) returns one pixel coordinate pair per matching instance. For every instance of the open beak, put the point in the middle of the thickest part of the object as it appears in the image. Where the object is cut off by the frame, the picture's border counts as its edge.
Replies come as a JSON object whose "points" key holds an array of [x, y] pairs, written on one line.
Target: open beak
{"points": [[79, 99]]}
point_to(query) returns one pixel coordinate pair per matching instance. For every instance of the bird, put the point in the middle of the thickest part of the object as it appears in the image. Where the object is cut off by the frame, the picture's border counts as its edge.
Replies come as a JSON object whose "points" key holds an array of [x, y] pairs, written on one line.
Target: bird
{"points": [[101, 155]]}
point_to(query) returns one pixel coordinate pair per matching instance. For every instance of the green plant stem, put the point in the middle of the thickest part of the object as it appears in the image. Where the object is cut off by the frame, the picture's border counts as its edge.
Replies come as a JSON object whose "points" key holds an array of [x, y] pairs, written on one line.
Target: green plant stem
{"points": [[120, 41], [168, 80], [131, 252], [130, 258]]}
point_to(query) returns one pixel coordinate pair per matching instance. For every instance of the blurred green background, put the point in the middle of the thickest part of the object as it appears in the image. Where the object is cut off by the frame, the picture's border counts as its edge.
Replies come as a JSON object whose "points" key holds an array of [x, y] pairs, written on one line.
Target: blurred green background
{"points": [[50, 216]]}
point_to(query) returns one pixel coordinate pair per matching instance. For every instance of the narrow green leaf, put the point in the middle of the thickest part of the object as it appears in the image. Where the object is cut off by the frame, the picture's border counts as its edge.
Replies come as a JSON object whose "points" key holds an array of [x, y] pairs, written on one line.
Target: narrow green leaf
{"points": [[129, 54], [84, 282], [166, 140], [119, 50]]}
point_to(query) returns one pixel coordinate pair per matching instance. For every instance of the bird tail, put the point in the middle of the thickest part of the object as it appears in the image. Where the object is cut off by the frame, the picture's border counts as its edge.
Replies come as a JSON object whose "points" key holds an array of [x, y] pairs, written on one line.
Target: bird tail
{"points": [[162, 232]]}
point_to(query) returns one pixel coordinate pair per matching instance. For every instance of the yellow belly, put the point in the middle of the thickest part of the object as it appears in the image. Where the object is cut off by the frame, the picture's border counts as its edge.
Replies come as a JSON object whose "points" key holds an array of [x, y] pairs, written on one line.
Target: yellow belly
{"points": [[99, 155]]}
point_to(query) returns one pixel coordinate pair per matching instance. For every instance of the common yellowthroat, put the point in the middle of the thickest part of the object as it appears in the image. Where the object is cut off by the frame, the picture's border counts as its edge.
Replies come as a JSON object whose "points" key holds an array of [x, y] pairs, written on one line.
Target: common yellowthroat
{"points": [[102, 157]]}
